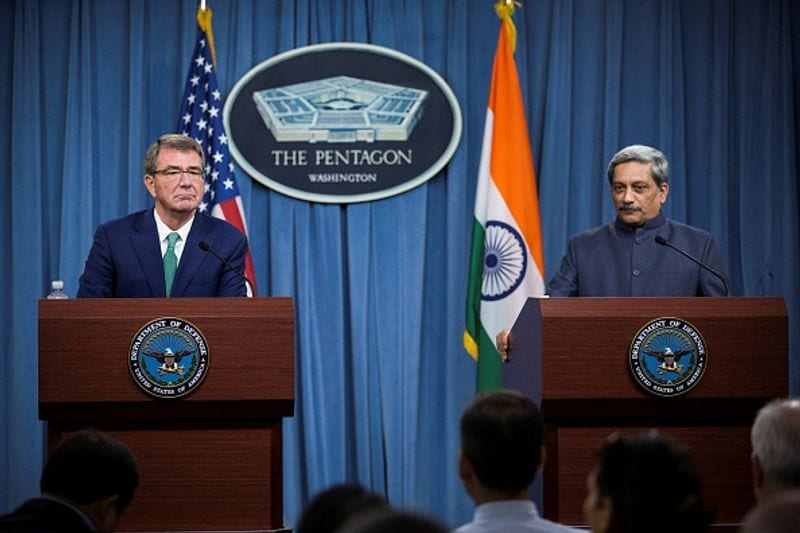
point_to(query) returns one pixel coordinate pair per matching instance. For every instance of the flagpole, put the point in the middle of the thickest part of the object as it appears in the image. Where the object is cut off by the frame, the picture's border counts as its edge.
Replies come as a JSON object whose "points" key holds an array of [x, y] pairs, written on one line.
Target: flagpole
{"points": [[204, 15], [505, 10]]}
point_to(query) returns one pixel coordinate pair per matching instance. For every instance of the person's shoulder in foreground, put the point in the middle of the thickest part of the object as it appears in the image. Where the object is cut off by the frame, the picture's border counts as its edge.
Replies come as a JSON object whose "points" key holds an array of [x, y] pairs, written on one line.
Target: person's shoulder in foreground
{"points": [[518, 516], [87, 484]]}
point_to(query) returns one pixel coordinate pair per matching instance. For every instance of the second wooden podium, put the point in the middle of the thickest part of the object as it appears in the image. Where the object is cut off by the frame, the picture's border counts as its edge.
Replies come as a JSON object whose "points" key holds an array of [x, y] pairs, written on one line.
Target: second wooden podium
{"points": [[211, 460], [572, 355]]}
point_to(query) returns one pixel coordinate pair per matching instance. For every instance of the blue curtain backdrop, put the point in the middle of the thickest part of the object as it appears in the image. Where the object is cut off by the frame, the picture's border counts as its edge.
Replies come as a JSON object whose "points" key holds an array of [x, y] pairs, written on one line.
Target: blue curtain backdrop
{"points": [[379, 287]]}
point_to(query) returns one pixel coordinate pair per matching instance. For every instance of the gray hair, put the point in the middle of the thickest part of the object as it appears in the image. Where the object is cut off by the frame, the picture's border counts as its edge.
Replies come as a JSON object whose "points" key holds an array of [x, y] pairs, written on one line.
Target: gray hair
{"points": [[642, 154], [775, 437], [177, 141]]}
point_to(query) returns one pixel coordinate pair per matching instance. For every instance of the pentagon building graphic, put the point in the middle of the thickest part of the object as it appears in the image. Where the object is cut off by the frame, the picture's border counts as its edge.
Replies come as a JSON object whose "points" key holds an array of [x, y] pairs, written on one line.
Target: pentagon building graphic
{"points": [[340, 110]]}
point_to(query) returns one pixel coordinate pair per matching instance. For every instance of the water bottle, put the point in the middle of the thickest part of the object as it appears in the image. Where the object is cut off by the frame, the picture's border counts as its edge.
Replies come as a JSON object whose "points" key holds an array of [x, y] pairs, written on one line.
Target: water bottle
{"points": [[57, 290]]}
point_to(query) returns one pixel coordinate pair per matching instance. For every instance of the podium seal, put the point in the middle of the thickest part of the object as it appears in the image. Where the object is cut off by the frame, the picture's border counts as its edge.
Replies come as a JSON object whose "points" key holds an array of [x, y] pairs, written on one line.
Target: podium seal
{"points": [[168, 358], [668, 357]]}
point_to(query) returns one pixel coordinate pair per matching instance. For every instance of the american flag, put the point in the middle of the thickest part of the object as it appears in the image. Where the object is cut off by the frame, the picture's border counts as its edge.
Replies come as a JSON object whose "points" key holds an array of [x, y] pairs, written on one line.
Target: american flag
{"points": [[201, 118]]}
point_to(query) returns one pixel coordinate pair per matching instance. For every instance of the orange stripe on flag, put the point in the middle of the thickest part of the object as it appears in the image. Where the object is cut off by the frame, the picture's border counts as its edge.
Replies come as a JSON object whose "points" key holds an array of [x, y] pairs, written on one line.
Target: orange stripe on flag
{"points": [[512, 161]]}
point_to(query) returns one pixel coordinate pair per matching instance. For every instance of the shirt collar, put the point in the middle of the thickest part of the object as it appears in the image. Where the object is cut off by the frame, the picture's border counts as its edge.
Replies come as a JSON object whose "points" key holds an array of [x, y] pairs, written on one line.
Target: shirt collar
{"points": [[164, 230], [506, 508], [68, 504]]}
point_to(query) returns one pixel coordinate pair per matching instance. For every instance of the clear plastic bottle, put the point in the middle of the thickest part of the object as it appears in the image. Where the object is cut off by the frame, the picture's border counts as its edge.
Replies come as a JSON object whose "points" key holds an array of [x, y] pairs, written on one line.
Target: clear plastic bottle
{"points": [[57, 290]]}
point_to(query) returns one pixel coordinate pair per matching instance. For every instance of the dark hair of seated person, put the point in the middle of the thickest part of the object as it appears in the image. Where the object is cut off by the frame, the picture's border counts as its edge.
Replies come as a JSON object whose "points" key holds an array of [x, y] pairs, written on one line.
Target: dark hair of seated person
{"points": [[390, 520], [332, 507], [652, 486], [88, 466]]}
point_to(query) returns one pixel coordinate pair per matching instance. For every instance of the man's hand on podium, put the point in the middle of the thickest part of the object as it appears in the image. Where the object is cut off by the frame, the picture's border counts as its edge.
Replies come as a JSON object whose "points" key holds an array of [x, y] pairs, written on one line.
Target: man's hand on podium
{"points": [[503, 342]]}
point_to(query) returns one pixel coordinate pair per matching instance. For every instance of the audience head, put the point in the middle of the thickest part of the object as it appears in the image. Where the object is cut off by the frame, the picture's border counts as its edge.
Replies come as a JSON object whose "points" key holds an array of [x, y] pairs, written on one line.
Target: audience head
{"points": [[333, 506], [93, 472], [501, 445], [775, 438], [391, 521], [780, 513], [644, 482]]}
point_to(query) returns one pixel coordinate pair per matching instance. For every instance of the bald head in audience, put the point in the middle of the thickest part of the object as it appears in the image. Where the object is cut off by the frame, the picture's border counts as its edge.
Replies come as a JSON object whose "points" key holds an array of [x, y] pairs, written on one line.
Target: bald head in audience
{"points": [[775, 438]]}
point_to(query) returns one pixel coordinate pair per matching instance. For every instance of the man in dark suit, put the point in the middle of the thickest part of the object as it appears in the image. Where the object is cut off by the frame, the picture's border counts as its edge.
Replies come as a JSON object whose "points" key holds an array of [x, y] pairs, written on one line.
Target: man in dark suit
{"points": [[86, 485], [156, 252], [628, 256]]}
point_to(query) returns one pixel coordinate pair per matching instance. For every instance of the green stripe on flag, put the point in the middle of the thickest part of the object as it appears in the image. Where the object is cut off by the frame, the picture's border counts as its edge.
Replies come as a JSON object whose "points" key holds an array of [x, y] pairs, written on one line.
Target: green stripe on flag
{"points": [[490, 367], [473, 325], [476, 341]]}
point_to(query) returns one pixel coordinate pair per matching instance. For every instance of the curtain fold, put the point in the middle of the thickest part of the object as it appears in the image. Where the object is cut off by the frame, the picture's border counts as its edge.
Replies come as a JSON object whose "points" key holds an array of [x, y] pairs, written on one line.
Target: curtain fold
{"points": [[379, 288]]}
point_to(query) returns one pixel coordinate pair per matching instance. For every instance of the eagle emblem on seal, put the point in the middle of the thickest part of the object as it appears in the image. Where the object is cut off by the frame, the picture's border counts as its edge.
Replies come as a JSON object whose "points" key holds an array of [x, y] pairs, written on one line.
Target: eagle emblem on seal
{"points": [[668, 359], [169, 360]]}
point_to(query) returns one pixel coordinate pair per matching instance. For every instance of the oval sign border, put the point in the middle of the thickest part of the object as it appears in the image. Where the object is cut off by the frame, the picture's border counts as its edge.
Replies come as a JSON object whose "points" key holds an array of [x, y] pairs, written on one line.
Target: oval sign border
{"points": [[407, 185]]}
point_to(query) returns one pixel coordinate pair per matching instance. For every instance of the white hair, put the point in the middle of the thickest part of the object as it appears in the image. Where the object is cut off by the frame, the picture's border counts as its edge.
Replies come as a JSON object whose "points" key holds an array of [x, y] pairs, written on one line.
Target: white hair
{"points": [[775, 437]]}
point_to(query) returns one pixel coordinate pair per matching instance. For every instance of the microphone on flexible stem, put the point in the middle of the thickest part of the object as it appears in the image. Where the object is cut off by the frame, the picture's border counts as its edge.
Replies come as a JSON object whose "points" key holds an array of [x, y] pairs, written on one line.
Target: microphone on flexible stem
{"points": [[664, 242], [207, 248]]}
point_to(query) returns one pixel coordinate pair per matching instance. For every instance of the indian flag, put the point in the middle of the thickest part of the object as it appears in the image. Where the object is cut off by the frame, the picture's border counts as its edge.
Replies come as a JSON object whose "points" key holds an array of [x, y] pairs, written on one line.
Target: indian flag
{"points": [[506, 262]]}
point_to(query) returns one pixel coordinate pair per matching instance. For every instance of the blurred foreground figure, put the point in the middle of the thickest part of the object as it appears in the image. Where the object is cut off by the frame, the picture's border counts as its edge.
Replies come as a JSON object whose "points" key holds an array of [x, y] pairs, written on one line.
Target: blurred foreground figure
{"points": [[334, 506], [775, 438], [87, 483], [644, 483], [501, 450]]}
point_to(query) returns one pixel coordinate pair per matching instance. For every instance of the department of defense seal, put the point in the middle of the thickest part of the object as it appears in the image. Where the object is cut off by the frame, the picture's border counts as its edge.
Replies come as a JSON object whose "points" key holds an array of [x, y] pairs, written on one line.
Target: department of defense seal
{"points": [[668, 356], [168, 358]]}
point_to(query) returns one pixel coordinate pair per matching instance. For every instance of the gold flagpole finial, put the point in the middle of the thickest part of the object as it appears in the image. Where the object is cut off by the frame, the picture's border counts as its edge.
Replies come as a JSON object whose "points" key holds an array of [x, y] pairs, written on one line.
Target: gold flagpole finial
{"points": [[204, 21], [505, 10]]}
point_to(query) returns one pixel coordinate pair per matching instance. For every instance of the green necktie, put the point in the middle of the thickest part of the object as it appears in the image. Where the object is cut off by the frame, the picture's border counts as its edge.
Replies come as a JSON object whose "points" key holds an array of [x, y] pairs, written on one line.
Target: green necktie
{"points": [[170, 261]]}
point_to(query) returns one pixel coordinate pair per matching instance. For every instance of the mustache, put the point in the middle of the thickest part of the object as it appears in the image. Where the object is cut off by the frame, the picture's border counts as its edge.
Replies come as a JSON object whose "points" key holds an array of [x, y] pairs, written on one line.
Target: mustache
{"points": [[629, 208]]}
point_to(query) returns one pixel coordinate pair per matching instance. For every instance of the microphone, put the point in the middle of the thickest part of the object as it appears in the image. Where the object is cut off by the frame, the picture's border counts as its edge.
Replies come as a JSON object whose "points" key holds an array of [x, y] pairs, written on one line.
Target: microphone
{"points": [[207, 248], [664, 242]]}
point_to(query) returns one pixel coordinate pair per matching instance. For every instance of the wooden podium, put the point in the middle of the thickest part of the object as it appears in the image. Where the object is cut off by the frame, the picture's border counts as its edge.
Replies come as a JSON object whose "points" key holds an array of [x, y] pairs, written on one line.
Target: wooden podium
{"points": [[211, 460], [571, 355]]}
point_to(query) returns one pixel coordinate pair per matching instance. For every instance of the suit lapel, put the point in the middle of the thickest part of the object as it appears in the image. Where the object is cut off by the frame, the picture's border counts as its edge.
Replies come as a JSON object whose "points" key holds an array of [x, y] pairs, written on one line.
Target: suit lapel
{"points": [[148, 251]]}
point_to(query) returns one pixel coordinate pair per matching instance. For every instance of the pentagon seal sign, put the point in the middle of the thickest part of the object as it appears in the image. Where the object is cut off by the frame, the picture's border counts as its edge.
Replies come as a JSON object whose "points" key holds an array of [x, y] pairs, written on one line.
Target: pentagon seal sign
{"points": [[168, 358], [342, 123], [668, 356]]}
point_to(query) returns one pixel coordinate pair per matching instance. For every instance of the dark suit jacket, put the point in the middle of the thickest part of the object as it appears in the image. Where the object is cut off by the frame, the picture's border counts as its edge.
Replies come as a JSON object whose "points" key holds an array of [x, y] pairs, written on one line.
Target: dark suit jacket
{"points": [[618, 260], [43, 515], [125, 260]]}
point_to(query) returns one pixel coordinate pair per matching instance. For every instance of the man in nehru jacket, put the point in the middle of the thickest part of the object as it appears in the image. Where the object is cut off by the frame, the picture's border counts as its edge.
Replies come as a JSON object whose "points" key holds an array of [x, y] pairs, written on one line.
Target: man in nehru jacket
{"points": [[630, 256]]}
